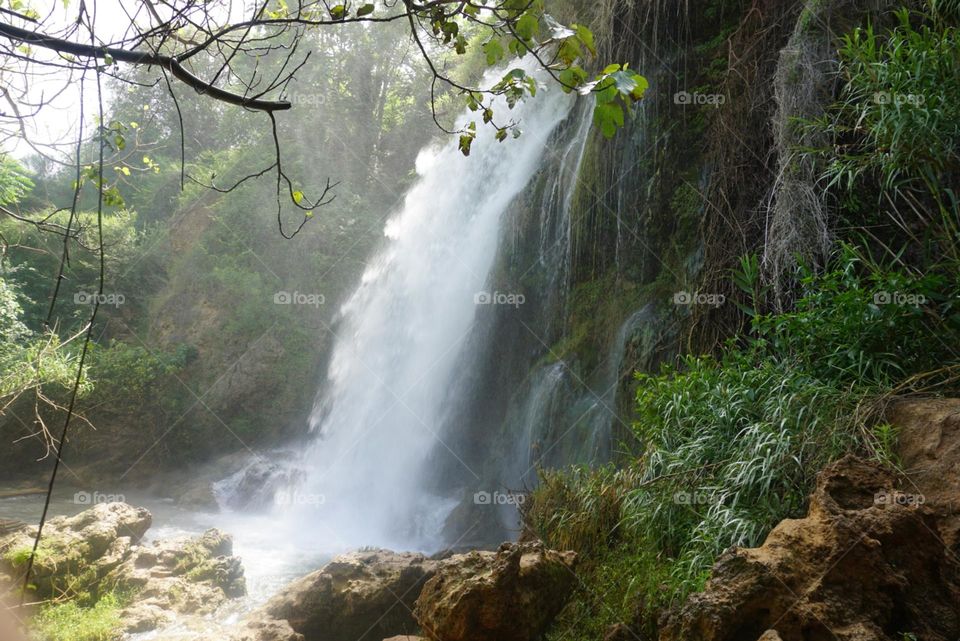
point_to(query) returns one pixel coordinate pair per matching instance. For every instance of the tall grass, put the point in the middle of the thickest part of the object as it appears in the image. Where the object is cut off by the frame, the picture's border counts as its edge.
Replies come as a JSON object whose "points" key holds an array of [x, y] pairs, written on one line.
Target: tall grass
{"points": [[731, 448], [893, 156]]}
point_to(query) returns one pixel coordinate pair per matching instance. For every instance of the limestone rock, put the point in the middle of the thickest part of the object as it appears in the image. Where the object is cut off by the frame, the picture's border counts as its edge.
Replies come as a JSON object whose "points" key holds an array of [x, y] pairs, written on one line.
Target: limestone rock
{"points": [[929, 450], [360, 596], [78, 550], [867, 563], [178, 576], [266, 630], [509, 595]]}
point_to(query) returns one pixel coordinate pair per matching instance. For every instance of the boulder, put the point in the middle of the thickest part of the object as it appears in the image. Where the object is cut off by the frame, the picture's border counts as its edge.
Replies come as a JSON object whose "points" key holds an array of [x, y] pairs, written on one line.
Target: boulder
{"points": [[265, 630], [509, 595], [868, 563], [929, 450], [76, 552], [178, 576], [360, 596]]}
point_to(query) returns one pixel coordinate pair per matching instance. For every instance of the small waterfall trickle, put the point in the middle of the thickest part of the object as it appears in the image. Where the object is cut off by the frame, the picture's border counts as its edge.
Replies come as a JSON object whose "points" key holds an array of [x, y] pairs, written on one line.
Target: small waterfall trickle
{"points": [[560, 420], [399, 339], [554, 255]]}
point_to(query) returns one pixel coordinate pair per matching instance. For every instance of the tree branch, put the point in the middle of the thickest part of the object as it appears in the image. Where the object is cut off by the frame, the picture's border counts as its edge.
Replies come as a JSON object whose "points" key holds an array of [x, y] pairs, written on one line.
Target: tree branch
{"points": [[142, 58]]}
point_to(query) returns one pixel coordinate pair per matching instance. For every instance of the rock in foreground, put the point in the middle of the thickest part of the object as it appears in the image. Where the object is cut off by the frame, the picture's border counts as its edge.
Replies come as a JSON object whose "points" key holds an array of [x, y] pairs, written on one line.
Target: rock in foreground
{"points": [[98, 550], [75, 552], [867, 563], [178, 576], [509, 595], [360, 596]]}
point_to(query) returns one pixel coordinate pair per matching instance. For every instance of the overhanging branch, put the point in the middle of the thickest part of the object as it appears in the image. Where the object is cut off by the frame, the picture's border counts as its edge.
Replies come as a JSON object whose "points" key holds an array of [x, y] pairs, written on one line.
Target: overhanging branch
{"points": [[141, 58]]}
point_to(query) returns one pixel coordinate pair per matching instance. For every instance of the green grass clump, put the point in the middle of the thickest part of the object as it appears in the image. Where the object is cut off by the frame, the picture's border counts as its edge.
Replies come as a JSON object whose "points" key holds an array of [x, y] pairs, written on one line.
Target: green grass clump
{"points": [[732, 447], [72, 622]]}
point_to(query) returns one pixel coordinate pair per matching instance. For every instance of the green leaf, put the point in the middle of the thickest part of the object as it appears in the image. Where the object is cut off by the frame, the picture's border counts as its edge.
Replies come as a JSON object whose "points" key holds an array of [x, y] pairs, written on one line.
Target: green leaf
{"points": [[517, 48], [365, 10], [586, 37], [339, 12], [465, 141], [494, 51], [297, 196], [641, 88], [570, 51], [527, 26], [572, 77], [630, 84], [609, 117], [606, 90]]}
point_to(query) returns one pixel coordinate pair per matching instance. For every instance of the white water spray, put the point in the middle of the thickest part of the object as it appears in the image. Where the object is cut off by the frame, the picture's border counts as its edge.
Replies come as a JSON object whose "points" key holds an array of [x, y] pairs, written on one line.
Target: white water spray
{"points": [[381, 412]]}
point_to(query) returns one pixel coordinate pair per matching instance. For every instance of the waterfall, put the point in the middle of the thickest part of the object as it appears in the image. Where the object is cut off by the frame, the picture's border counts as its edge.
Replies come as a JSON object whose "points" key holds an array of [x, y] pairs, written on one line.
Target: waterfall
{"points": [[398, 339]]}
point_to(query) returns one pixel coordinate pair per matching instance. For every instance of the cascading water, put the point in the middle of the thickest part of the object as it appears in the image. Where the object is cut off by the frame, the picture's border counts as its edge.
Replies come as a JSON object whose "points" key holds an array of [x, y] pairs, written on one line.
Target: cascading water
{"points": [[381, 412]]}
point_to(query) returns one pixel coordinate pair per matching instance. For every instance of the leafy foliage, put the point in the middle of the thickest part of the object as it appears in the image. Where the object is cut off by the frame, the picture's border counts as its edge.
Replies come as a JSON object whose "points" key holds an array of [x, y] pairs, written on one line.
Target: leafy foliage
{"points": [[894, 131], [864, 322], [898, 106], [565, 51], [15, 182]]}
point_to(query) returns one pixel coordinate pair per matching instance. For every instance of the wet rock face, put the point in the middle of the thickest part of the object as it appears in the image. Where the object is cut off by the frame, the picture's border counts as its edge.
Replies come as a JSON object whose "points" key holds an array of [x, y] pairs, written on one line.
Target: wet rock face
{"points": [[75, 552], [255, 485], [509, 595], [361, 596], [868, 562]]}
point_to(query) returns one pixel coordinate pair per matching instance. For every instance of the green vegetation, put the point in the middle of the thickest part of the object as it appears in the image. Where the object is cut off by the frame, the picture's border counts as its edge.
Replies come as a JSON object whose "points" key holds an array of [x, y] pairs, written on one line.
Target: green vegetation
{"points": [[726, 445], [898, 98], [72, 622]]}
